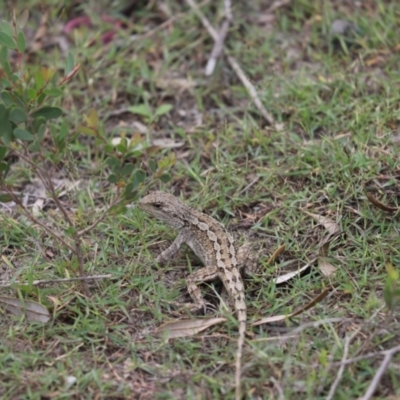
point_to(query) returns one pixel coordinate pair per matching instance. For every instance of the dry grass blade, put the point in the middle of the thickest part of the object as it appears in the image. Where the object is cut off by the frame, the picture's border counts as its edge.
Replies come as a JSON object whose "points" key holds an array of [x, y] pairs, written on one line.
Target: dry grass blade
{"points": [[286, 277], [276, 254], [33, 311], [331, 226], [380, 205], [186, 327], [282, 317]]}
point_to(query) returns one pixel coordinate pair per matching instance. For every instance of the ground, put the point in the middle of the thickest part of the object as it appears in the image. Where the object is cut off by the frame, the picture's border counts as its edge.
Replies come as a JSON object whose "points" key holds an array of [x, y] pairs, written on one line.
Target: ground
{"points": [[329, 154]]}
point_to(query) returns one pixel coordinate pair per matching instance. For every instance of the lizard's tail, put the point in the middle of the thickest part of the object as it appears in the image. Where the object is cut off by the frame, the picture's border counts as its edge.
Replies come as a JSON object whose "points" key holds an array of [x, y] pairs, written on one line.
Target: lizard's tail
{"points": [[238, 368]]}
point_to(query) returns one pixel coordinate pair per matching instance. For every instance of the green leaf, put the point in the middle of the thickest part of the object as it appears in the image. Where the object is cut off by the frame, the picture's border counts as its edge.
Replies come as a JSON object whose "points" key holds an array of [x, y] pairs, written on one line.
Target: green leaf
{"points": [[41, 132], [3, 167], [113, 162], [133, 195], [128, 188], [165, 178], [32, 94], [48, 112], [18, 115], [35, 146], [41, 98], [21, 42], [5, 126], [86, 130], [53, 92], [141, 109], [6, 28], [5, 83], [7, 40], [5, 131], [3, 152], [3, 111], [70, 64], [39, 80], [5, 198], [122, 146], [37, 123], [4, 61], [6, 97], [63, 132], [127, 169], [112, 178], [23, 18], [23, 134], [164, 109], [152, 166], [138, 177]]}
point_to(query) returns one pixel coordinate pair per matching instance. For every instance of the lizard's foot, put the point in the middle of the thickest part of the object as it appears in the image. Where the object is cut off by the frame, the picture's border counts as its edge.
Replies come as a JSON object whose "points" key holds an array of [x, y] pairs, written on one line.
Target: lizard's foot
{"points": [[193, 307]]}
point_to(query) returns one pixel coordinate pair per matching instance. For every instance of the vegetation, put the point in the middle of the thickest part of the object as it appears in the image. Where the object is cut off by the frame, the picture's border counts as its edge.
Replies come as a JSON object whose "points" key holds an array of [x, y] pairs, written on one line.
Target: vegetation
{"points": [[94, 115]]}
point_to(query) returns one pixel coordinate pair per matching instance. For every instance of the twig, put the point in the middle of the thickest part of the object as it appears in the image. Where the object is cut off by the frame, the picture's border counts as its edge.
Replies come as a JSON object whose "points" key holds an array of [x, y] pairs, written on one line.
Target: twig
{"points": [[281, 396], [364, 357], [217, 49], [255, 180], [76, 238], [234, 64], [350, 338], [381, 370], [341, 369], [219, 44], [80, 278], [36, 221], [102, 216]]}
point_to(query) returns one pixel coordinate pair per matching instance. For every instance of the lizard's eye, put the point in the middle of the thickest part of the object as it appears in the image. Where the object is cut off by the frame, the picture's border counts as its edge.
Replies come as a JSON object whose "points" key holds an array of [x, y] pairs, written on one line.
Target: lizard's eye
{"points": [[157, 205]]}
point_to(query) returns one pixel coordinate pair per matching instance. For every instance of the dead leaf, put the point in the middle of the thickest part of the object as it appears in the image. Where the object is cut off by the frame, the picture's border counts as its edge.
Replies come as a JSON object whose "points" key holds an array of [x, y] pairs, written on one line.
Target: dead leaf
{"points": [[276, 254], [186, 327], [286, 277], [37, 207], [32, 310], [331, 226], [380, 205], [326, 267], [311, 304], [167, 143]]}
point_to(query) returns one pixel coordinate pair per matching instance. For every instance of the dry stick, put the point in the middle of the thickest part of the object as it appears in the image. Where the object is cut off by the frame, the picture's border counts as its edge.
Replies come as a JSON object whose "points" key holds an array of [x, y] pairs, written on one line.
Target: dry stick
{"points": [[366, 356], [77, 240], [234, 64], [349, 339], [105, 213], [381, 370], [36, 221], [219, 44], [217, 49], [42, 282], [341, 369], [47, 182]]}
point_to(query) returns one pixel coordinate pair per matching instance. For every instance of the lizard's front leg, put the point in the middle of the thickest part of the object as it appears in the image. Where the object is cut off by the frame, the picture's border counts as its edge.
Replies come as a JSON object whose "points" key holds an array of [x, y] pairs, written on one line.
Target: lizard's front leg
{"points": [[204, 274], [168, 253]]}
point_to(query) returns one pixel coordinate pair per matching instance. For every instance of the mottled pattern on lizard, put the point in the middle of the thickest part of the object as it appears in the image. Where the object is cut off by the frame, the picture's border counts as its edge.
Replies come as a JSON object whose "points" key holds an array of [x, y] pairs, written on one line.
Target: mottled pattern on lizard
{"points": [[215, 247]]}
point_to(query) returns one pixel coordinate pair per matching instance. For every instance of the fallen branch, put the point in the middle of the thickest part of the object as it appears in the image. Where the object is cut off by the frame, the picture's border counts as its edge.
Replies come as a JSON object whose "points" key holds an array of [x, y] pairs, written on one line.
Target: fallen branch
{"points": [[381, 370], [219, 44], [341, 369], [80, 278], [233, 63]]}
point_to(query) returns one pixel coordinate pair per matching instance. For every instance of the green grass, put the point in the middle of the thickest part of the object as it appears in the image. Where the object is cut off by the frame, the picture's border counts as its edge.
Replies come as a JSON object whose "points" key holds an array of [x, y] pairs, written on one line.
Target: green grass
{"points": [[336, 132]]}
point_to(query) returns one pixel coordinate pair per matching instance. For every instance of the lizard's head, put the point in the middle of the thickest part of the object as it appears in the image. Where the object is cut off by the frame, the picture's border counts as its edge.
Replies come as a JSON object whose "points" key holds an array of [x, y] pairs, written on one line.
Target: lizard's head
{"points": [[165, 207]]}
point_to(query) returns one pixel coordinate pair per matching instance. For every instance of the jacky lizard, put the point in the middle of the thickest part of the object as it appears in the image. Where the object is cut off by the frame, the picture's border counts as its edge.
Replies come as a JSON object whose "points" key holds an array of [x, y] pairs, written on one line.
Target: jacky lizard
{"points": [[215, 247]]}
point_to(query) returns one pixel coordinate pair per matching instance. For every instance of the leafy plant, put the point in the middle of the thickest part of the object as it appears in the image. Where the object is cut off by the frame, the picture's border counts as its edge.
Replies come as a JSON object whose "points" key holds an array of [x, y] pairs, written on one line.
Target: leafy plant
{"points": [[32, 130]]}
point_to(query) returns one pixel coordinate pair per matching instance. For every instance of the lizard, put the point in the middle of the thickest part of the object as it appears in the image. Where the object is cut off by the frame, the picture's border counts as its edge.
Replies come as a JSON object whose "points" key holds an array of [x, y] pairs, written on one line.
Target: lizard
{"points": [[214, 246]]}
